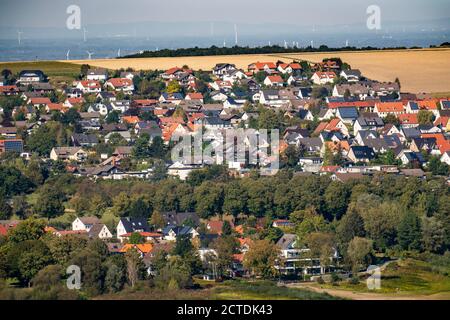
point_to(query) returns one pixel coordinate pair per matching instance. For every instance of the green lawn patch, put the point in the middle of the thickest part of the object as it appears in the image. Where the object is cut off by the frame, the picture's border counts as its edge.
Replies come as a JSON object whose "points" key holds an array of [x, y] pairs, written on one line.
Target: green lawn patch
{"points": [[263, 290]]}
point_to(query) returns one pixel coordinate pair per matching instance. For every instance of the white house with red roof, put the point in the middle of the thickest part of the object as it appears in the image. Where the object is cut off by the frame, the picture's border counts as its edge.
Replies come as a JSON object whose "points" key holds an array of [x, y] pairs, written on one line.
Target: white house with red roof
{"points": [[72, 102], [256, 67], [89, 86], [289, 68], [120, 84], [39, 101], [274, 81], [323, 77], [194, 96], [385, 108]]}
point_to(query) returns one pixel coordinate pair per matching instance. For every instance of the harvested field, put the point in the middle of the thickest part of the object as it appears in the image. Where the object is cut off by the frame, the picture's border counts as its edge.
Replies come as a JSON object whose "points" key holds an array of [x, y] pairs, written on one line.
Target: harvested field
{"points": [[421, 70]]}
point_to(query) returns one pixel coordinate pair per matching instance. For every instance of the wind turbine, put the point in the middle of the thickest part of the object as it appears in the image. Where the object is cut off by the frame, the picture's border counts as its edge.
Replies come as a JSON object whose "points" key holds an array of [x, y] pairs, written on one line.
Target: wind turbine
{"points": [[235, 34], [19, 34], [90, 54], [285, 44], [67, 54], [224, 43], [118, 52], [346, 43], [312, 43], [84, 34]]}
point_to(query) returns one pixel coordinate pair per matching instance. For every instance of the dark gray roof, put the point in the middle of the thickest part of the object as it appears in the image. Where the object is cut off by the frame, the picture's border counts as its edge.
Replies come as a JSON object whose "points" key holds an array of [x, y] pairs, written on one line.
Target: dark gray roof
{"points": [[81, 138], [287, 241], [95, 230], [370, 120], [178, 218], [179, 231], [353, 72], [348, 113], [363, 152], [133, 224], [410, 133]]}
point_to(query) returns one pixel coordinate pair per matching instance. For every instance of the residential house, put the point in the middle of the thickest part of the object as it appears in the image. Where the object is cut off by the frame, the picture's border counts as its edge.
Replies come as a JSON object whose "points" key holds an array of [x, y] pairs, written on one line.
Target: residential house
{"points": [[182, 170], [351, 75], [131, 225], [84, 140], [367, 121], [321, 78], [171, 233], [350, 90], [97, 74], [221, 68], [142, 248], [268, 67], [347, 115], [180, 218], [84, 223], [384, 88], [408, 157], [99, 231], [68, 154], [385, 108], [274, 81], [120, 84], [27, 77], [361, 154], [89, 86], [11, 145]]}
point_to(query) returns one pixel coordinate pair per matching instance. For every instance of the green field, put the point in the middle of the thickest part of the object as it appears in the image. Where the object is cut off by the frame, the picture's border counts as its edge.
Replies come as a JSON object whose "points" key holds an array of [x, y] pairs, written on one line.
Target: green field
{"points": [[407, 277], [263, 290], [50, 68], [228, 290]]}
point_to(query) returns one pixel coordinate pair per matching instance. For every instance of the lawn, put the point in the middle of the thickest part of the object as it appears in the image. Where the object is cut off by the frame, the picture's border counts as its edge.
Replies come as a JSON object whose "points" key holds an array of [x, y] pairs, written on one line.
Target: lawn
{"points": [[262, 290], [50, 68], [228, 290], [407, 277]]}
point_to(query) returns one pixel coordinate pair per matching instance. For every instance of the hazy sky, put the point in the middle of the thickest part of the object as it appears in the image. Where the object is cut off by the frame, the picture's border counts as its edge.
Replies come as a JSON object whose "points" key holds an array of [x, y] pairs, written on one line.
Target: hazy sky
{"points": [[52, 13]]}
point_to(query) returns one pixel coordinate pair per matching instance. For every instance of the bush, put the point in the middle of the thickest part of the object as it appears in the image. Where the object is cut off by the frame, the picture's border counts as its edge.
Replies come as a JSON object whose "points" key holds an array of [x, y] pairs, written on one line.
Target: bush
{"points": [[353, 280]]}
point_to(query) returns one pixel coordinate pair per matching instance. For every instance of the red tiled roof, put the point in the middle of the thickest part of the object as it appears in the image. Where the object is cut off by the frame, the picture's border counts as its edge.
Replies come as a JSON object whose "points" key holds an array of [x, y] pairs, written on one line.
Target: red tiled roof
{"points": [[441, 121], [275, 79], [195, 96], [130, 119], [40, 100], [408, 118], [172, 70], [389, 106], [55, 106], [145, 102], [329, 168], [142, 247], [92, 84], [5, 89], [260, 65], [120, 82], [326, 74], [75, 100], [357, 104], [429, 104]]}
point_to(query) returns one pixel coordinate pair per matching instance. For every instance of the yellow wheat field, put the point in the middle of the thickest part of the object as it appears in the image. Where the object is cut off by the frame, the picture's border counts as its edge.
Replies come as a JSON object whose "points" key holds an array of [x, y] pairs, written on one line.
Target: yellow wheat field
{"points": [[422, 70]]}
